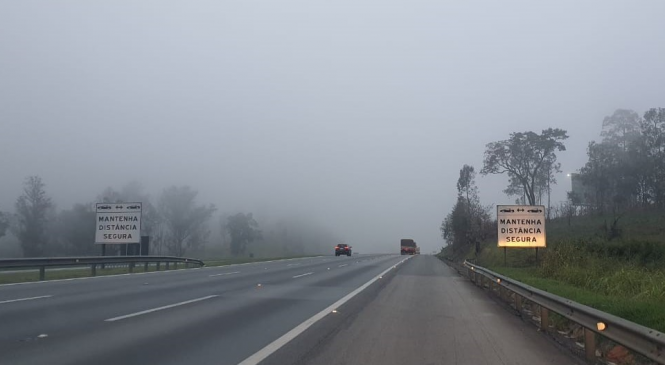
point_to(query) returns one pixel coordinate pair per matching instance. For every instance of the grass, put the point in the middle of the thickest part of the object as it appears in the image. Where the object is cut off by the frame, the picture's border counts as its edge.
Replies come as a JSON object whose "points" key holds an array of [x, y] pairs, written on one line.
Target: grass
{"points": [[622, 274], [647, 312], [33, 275]]}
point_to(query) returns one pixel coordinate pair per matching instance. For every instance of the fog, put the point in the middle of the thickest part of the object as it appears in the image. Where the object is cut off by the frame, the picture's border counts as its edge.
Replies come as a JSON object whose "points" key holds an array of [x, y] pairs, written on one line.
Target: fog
{"points": [[354, 115]]}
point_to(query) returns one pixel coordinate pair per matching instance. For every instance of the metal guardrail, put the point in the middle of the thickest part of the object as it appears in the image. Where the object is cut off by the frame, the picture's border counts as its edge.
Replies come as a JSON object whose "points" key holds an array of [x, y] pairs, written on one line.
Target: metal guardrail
{"points": [[645, 341], [94, 261]]}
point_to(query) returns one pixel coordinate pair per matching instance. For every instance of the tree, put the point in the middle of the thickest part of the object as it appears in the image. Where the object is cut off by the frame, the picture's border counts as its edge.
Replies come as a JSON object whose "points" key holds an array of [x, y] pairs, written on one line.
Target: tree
{"points": [[465, 224], [622, 128], [653, 146], [183, 222], [4, 224], [75, 230], [543, 184], [243, 230], [524, 156], [32, 213], [466, 183], [618, 167]]}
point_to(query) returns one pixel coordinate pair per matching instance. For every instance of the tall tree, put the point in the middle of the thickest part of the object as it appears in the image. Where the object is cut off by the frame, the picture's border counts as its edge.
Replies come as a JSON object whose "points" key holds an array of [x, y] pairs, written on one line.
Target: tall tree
{"points": [[524, 156], [243, 230], [653, 142], [465, 224], [621, 128], [184, 224], [543, 184], [466, 183], [32, 212], [4, 224], [75, 230], [616, 168]]}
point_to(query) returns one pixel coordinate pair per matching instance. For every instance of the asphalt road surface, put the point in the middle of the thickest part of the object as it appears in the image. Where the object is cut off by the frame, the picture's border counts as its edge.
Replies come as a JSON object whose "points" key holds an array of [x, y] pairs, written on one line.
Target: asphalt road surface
{"points": [[269, 312], [424, 314]]}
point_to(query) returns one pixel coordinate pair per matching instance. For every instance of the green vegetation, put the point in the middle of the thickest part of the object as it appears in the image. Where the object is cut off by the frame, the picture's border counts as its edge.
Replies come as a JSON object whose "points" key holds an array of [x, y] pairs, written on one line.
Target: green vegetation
{"points": [[645, 311], [624, 276], [606, 244], [33, 275]]}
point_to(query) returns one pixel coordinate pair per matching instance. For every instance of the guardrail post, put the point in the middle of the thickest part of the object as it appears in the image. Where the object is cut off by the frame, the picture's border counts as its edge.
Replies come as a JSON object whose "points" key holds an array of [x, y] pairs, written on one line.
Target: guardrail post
{"points": [[518, 303], [42, 273], [544, 318], [186, 265], [145, 267], [167, 266], [175, 266], [590, 344], [93, 270], [158, 265], [131, 267]]}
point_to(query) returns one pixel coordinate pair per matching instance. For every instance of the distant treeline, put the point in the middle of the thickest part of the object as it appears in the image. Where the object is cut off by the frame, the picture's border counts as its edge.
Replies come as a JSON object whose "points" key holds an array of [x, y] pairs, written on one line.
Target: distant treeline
{"points": [[174, 221]]}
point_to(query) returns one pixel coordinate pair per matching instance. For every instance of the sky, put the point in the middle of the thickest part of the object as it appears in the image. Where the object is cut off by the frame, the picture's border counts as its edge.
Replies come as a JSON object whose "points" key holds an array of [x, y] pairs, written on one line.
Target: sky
{"points": [[355, 114]]}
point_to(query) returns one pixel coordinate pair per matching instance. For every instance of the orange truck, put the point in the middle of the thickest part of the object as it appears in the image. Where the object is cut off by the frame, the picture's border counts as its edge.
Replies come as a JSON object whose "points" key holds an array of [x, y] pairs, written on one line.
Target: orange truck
{"points": [[409, 247]]}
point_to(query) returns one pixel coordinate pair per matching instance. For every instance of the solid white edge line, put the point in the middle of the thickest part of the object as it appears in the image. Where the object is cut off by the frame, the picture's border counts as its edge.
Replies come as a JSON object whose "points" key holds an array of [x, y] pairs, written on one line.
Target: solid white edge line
{"points": [[225, 273], [158, 309], [24, 299], [301, 275], [287, 337]]}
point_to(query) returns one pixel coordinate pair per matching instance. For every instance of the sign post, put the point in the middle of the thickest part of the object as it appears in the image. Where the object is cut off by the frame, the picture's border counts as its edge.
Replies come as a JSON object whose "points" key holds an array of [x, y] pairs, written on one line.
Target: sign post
{"points": [[118, 223], [521, 226]]}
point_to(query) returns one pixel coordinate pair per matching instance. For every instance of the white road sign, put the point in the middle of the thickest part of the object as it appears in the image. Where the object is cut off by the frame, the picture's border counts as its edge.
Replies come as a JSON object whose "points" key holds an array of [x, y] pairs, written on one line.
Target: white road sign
{"points": [[118, 223], [521, 225]]}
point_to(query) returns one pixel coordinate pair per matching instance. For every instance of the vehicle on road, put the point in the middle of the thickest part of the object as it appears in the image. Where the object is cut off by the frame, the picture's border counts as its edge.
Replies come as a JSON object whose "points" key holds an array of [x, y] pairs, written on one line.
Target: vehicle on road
{"points": [[343, 249], [409, 247]]}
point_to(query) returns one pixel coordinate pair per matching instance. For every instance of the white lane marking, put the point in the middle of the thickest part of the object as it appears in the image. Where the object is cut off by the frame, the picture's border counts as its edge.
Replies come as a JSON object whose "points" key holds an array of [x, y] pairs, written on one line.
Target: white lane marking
{"points": [[293, 264], [287, 337], [24, 299], [154, 272], [342, 265], [225, 273], [158, 309], [301, 275], [259, 262]]}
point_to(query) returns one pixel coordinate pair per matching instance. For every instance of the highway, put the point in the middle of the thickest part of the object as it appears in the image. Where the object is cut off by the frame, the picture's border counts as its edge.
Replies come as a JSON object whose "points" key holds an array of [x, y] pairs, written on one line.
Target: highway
{"points": [[322, 310]]}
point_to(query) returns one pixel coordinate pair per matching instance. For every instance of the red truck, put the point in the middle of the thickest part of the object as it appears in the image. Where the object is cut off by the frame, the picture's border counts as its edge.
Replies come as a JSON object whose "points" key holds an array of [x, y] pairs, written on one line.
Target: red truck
{"points": [[409, 247]]}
